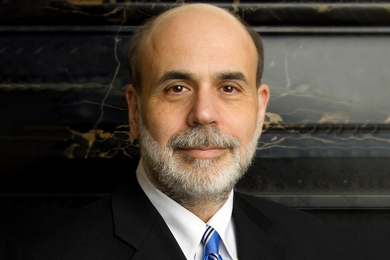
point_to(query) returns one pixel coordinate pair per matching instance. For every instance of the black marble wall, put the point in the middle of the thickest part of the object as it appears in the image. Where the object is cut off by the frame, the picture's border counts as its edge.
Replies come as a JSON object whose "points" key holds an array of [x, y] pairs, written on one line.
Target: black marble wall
{"points": [[325, 145]]}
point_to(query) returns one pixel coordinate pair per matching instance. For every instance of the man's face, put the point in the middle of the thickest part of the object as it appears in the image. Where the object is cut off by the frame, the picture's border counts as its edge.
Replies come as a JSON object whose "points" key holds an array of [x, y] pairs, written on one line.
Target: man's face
{"points": [[200, 83]]}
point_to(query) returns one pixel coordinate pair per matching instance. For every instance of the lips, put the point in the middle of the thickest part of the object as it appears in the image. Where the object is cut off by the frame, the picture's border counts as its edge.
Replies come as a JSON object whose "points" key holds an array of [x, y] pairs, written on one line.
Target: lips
{"points": [[203, 152], [201, 147]]}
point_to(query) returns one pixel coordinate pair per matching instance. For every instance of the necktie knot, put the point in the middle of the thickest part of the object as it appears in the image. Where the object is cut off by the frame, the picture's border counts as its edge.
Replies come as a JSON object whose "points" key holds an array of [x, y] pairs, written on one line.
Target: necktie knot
{"points": [[210, 241]]}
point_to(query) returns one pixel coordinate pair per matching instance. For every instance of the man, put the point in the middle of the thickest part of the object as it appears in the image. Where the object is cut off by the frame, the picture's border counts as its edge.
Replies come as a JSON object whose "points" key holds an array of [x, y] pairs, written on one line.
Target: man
{"points": [[197, 106], [198, 109]]}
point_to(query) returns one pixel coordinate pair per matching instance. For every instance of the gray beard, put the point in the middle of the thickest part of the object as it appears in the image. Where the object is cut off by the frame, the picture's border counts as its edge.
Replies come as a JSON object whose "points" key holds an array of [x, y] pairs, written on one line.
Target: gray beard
{"points": [[191, 182]]}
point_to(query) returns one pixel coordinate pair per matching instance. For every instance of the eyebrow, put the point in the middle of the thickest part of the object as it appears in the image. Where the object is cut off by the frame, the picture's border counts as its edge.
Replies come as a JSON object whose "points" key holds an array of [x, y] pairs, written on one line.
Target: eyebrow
{"points": [[224, 75], [232, 75], [175, 74]]}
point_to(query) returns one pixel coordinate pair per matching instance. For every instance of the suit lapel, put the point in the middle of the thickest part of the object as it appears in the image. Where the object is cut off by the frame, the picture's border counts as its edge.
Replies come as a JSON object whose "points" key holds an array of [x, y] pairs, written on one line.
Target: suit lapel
{"points": [[253, 233], [138, 224]]}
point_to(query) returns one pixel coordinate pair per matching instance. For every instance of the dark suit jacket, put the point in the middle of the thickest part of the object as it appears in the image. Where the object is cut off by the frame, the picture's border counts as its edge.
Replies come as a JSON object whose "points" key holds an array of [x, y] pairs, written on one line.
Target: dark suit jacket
{"points": [[127, 226]]}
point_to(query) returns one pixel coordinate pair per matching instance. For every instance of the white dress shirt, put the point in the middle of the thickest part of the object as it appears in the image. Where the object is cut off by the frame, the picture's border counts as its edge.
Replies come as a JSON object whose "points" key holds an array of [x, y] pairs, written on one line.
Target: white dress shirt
{"points": [[187, 228]]}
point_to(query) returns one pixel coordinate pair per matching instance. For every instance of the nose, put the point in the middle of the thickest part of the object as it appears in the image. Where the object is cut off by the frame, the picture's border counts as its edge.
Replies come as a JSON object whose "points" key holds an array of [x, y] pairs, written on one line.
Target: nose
{"points": [[204, 109]]}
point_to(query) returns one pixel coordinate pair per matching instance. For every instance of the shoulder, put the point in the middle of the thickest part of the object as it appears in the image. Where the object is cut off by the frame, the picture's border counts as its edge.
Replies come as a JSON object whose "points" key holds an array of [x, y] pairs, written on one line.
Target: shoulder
{"points": [[278, 213], [58, 233], [302, 234]]}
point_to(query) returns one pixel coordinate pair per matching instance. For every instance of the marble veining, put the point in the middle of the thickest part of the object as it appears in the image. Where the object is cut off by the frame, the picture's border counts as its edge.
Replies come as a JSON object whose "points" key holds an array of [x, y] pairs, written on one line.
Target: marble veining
{"points": [[64, 74]]}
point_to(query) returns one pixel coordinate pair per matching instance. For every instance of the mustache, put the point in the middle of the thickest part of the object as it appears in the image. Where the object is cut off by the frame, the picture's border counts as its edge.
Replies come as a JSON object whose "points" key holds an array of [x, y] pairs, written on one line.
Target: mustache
{"points": [[202, 137]]}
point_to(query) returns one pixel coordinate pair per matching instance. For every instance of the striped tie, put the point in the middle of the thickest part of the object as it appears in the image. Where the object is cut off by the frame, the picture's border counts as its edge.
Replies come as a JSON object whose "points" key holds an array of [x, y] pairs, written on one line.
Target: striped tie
{"points": [[210, 241]]}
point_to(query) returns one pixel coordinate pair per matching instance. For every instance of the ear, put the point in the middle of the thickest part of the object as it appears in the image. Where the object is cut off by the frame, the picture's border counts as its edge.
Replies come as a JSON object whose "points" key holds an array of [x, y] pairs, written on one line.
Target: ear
{"points": [[263, 97], [132, 103]]}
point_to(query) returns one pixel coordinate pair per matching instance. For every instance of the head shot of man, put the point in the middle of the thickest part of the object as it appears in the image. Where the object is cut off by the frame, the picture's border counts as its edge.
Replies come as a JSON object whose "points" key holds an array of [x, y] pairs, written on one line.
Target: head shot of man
{"points": [[197, 105]]}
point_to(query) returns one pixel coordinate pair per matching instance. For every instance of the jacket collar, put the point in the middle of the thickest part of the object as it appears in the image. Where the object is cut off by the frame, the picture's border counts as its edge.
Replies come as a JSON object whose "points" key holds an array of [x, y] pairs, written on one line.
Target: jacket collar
{"points": [[137, 223], [253, 232]]}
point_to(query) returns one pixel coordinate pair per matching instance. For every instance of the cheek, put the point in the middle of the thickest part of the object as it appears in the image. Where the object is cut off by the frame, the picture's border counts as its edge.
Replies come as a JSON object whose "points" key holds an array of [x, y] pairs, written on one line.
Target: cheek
{"points": [[163, 124], [242, 124], [243, 131]]}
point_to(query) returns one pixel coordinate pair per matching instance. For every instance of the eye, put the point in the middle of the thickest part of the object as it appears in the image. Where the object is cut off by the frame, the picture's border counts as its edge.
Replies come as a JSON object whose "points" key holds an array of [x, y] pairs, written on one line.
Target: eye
{"points": [[177, 89], [228, 89]]}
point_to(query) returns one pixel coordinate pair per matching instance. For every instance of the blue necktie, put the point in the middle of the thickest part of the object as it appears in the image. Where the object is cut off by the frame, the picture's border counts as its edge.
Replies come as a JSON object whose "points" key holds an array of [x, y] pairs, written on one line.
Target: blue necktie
{"points": [[210, 241]]}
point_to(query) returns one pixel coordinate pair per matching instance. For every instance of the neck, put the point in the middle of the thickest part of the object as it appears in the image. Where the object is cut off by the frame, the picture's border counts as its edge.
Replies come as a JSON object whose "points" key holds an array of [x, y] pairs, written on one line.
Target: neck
{"points": [[204, 206], [204, 209]]}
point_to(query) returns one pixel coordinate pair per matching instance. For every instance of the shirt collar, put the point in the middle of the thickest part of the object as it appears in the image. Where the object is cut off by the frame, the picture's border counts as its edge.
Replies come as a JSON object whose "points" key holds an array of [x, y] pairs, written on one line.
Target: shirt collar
{"points": [[186, 227], [223, 224]]}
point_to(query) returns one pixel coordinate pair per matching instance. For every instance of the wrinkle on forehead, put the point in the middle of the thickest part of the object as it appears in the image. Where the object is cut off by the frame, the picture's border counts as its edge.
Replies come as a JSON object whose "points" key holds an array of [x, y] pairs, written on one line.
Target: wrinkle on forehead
{"points": [[205, 35], [194, 21]]}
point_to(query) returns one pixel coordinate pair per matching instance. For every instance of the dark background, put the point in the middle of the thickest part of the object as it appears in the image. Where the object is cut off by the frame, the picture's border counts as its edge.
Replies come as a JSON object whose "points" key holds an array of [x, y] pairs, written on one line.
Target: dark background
{"points": [[64, 135]]}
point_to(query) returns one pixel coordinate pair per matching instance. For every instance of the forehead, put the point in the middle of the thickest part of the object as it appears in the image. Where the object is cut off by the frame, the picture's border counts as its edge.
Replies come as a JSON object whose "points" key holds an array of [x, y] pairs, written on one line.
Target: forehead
{"points": [[197, 38]]}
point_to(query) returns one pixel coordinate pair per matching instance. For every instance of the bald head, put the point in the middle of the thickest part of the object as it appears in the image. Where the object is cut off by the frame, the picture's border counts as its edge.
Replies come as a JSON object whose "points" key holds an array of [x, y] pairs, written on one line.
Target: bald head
{"points": [[198, 19], [195, 26]]}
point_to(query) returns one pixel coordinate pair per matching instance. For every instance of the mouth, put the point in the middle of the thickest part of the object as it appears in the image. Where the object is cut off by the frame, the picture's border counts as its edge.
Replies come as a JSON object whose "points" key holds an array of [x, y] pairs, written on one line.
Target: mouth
{"points": [[209, 152]]}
